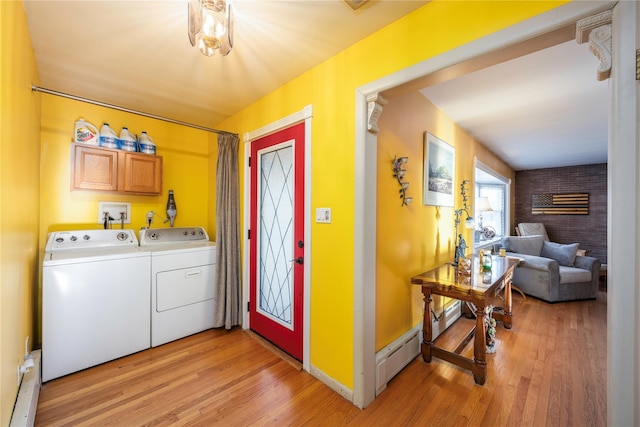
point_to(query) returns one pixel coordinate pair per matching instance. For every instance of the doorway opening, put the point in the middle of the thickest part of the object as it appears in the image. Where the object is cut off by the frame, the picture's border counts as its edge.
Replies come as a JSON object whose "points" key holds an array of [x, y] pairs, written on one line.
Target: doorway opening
{"points": [[537, 33]]}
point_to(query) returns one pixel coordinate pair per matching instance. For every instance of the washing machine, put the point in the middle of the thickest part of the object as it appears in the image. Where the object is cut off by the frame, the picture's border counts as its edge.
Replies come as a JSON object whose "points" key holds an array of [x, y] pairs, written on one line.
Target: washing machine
{"points": [[95, 299], [183, 270]]}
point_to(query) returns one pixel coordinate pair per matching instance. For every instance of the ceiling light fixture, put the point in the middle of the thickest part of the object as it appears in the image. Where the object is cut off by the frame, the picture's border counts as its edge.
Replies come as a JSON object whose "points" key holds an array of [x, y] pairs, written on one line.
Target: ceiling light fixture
{"points": [[211, 26], [355, 4]]}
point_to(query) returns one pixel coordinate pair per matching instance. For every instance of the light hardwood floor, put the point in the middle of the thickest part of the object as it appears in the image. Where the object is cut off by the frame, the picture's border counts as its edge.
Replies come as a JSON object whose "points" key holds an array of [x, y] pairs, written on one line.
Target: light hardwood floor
{"points": [[549, 370]]}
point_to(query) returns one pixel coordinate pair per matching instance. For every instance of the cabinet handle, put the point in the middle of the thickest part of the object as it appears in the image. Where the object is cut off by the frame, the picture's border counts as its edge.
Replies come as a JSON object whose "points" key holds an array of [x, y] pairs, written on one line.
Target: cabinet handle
{"points": [[193, 273]]}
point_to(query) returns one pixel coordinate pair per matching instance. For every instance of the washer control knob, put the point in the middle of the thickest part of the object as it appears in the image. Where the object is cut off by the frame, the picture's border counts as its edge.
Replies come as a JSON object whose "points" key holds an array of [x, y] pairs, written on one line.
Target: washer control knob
{"points": [[59, 240], [185, 233], [73, 238], [86, 237], [122, 236]]}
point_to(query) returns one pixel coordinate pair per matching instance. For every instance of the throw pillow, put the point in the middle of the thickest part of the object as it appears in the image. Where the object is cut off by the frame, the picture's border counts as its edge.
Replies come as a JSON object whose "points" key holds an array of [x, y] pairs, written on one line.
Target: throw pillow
{"points": [[526, 245], [564, 254]]}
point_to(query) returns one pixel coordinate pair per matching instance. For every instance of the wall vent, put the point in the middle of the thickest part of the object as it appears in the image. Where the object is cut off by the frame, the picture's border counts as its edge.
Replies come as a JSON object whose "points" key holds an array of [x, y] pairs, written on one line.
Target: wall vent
{"points": [[394, 357]]}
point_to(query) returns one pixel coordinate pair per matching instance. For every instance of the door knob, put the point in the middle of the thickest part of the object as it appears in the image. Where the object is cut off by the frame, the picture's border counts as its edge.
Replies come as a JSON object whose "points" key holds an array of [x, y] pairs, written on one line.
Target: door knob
{"points": [[298, 260]]}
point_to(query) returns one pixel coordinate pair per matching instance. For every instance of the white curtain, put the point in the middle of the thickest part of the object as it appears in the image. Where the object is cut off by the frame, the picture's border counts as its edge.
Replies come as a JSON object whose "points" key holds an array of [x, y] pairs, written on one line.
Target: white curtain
{"points": [[227, 296]]}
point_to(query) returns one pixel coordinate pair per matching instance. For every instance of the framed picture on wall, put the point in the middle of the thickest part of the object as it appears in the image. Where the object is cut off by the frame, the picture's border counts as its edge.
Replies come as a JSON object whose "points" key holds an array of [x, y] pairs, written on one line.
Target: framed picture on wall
{"points": [[439, 171]]}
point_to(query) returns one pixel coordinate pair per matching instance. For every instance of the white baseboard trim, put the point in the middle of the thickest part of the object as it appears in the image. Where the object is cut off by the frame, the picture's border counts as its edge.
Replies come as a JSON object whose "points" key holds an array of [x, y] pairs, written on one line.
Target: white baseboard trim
{"points": [[452, 312], [394, 357], [24, 411], [332, 384]]}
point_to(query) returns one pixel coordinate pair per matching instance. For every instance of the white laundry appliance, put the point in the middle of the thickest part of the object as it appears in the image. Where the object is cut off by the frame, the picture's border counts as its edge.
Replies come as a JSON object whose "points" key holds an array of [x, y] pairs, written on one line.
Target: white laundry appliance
{"points": [[183, 270], [95, 299]]}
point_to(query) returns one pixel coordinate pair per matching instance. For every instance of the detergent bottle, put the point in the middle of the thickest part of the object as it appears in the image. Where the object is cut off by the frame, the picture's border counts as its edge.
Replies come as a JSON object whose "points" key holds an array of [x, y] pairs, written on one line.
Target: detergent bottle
{"points": [[146, 144], [86, 133], [108, 137], [127, 141]]}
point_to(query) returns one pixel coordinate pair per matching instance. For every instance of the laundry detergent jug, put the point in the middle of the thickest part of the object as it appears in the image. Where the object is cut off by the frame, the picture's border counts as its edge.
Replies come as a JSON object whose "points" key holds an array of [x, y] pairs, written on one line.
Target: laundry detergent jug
{"points": [[86, 133], [127, 142], [108, 137], [146, 144]]}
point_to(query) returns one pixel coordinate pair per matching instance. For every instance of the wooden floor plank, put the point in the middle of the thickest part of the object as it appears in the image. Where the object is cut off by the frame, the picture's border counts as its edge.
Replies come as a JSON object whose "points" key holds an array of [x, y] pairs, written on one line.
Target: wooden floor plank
{"points": [[550, 369]]}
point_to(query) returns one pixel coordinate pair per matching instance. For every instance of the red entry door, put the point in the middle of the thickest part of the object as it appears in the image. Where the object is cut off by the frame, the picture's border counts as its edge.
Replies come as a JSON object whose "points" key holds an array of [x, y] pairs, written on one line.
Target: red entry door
{"points": [[277, 238]]}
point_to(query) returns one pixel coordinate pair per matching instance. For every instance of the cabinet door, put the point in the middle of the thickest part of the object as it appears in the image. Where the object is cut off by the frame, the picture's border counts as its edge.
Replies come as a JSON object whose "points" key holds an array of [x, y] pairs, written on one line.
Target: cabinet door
{"points": [[142, 173], [94, 168]]}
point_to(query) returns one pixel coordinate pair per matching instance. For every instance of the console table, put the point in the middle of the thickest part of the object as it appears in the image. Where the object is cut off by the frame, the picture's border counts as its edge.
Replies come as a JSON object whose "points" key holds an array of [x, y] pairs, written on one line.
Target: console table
{"points": [[478, 288]]}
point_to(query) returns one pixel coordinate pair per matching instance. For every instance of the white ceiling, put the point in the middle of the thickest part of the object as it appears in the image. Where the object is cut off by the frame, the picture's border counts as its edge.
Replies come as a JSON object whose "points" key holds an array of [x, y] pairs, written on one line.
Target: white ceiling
{"points": [[137, 55], [542, 110]]}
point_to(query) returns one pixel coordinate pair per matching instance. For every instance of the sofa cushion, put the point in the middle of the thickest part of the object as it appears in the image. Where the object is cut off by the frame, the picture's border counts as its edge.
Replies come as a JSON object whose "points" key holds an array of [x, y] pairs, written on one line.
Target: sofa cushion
{"points": [[574, 275], [532, 229], [564, 254], [527, 245]]}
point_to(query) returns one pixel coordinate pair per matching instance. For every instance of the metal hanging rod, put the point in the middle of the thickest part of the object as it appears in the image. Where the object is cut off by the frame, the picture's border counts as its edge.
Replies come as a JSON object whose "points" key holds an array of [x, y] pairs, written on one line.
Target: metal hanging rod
{"points": [[127, 110]]}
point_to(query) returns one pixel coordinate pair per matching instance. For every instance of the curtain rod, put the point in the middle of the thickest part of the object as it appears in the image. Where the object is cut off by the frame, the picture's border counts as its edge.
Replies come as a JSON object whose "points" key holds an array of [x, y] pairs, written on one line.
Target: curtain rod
{"points": [[35, 88]]}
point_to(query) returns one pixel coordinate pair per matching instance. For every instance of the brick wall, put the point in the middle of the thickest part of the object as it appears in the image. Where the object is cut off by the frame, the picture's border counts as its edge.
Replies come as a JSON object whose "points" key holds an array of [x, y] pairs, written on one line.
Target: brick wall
{"points": [[588, 230]]}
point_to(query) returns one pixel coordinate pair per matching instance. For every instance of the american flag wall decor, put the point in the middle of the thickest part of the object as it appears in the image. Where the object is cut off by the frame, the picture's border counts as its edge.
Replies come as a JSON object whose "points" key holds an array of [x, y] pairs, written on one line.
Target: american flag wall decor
{"points": [[560, 204]]}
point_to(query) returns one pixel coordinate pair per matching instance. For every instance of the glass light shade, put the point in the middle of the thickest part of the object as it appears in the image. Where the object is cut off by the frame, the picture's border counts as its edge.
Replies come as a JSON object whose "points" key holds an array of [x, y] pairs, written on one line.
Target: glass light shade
{"points": [[211, 26], [469, 223]]}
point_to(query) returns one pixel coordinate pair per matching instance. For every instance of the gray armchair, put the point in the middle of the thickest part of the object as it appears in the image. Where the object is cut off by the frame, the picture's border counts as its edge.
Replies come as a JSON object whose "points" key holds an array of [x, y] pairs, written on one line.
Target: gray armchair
{"points": [[552, 271]]}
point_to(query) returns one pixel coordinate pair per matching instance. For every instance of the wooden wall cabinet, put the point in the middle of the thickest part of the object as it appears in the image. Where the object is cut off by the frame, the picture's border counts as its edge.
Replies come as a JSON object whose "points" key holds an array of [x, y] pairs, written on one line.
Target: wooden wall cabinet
{"points": [[109, 170]]}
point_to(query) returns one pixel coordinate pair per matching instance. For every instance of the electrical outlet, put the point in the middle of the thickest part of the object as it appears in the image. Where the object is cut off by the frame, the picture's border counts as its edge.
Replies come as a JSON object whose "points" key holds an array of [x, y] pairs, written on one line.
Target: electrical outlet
{"points": [[114, 209]]}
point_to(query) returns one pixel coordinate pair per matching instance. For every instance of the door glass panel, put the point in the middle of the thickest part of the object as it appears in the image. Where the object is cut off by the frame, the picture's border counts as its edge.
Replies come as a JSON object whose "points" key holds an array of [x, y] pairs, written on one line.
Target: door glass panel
{"points": [[275, 275]]}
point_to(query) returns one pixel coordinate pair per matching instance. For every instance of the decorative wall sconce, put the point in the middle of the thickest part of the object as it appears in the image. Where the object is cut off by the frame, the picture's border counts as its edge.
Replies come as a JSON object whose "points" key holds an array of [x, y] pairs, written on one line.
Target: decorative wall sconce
{"points": [[461, 244], [398, 173]]}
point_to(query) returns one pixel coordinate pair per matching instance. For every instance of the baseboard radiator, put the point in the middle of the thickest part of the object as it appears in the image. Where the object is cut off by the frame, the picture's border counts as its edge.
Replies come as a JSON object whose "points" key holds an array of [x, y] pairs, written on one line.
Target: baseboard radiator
{"points": [[24, 411], [394, 357]]}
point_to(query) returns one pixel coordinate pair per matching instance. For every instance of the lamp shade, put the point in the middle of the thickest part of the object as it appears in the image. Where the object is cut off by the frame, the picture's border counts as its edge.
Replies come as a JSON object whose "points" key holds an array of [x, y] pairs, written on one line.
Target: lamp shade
{"points": [[483, 205]]}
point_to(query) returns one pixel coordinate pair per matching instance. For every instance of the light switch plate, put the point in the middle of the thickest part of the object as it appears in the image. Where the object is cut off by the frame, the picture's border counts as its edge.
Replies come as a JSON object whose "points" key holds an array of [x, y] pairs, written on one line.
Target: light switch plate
{"points": [[114, 209], [323, 215]]}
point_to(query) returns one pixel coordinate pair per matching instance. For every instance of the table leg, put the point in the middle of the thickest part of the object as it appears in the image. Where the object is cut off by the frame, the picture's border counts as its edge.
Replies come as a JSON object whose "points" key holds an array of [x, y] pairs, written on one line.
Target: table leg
{"points": [[479, 367], [507, 319], [426, 326]]}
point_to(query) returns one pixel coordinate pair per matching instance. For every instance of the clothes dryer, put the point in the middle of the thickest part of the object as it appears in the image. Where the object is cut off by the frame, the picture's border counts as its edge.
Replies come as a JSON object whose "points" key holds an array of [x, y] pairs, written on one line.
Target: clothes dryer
{"points": [[183, 270]]}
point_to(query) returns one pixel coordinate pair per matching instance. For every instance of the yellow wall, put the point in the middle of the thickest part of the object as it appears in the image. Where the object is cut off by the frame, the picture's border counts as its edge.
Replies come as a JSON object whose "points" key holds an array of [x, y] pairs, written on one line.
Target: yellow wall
{"points": [[36, 198], [188, 169], [415, 238], [330, 88], [185, 153], [19, 197]]}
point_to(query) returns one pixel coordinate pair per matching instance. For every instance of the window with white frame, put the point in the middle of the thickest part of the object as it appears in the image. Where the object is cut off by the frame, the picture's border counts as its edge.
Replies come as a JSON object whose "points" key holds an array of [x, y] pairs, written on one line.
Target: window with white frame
{"points": [[490, 206]]}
